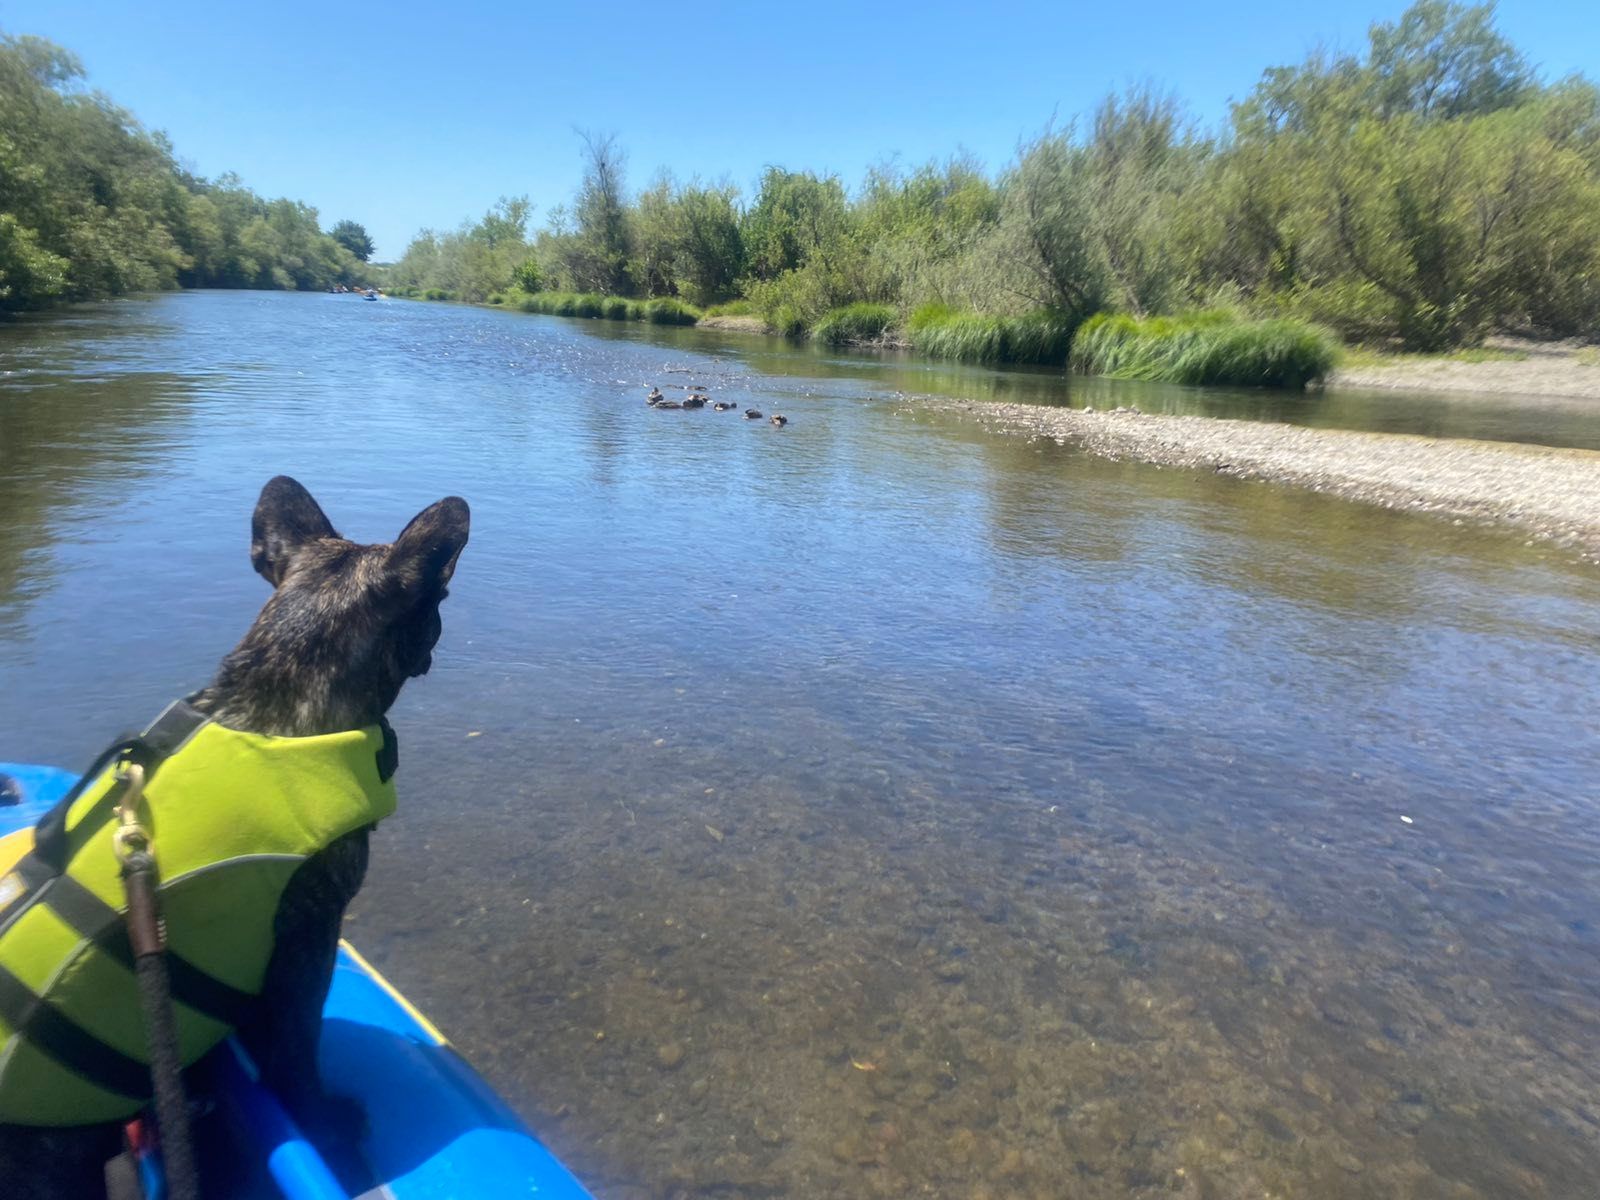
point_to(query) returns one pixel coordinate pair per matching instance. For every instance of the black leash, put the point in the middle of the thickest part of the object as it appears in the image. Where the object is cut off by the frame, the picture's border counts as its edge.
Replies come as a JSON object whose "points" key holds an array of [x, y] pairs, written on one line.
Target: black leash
{"points": [[147, 938]]}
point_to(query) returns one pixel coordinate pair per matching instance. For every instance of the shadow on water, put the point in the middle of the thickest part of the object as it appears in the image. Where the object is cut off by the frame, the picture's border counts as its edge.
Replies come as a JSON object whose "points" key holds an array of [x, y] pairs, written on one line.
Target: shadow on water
{"points": [[881, 806]]}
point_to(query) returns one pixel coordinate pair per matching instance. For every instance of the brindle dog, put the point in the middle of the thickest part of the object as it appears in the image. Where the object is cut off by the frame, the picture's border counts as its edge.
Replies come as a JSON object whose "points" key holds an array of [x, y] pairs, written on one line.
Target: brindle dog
{"points": [[345, 627]]}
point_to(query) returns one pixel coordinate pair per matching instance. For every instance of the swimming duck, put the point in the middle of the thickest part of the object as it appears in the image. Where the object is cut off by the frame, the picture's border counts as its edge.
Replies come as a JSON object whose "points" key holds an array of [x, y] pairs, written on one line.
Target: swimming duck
{"points": [[779, 420], [752, 414]]}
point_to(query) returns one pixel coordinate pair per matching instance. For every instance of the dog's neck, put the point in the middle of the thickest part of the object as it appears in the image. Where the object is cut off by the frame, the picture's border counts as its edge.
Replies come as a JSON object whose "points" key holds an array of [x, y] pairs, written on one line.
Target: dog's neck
{"points": [[258, 694], [256, 707]]}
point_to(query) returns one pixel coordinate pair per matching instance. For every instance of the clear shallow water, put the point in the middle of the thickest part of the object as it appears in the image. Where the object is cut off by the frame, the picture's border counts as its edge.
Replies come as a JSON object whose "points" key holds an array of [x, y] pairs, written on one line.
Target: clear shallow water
{"points": [[913, 810]]}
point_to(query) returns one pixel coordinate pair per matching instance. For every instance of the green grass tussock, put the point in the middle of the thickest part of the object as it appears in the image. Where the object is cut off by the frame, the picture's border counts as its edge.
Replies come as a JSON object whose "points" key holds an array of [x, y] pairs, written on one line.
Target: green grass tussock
{"points": [[787, 321], [1037, 337], [667, 311], [663, 311], [1214, 346], [854, 323]]}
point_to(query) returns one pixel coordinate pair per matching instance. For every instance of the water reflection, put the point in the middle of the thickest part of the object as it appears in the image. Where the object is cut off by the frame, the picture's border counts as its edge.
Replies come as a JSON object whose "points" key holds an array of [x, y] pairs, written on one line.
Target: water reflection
{"points": [[913, 810], [84, 413]]}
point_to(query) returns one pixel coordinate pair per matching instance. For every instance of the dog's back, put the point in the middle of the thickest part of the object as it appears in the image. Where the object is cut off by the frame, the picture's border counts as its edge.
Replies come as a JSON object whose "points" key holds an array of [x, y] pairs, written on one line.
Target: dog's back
{"points": [[346, 626]]}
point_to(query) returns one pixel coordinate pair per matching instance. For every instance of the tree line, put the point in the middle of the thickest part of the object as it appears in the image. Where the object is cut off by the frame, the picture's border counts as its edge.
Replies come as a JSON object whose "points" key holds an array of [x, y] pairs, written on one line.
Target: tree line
{"points": [[92, 204], [1424, 192]]}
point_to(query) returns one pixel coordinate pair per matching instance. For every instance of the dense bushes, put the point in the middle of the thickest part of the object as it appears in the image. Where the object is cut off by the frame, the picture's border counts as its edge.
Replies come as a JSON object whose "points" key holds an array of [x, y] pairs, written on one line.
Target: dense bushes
{"points": [[1207, 347]]}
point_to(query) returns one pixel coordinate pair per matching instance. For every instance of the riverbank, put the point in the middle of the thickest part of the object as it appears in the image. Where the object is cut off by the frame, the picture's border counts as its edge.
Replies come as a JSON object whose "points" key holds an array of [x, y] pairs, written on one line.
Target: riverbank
{"points": [[1509, 367], [737, 324], [1521, 367], [1547, 493]]}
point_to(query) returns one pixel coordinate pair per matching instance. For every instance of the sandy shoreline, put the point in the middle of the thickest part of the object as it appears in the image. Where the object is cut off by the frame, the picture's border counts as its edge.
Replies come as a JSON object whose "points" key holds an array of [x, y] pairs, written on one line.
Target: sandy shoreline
{"points": [[1546, 493], [1548, 369]]}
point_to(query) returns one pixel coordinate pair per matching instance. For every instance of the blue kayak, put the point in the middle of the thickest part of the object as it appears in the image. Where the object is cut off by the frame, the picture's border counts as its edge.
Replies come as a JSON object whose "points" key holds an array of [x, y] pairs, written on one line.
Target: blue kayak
{"points": [[436, 1130]]}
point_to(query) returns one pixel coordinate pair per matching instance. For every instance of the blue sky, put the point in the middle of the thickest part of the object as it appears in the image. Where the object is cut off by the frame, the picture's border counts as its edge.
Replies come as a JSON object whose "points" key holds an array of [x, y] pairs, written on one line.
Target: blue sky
{"points": [[406, 115]]}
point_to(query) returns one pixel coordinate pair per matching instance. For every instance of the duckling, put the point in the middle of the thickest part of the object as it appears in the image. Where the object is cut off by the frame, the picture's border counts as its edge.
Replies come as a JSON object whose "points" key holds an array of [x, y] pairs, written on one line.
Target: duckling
{"points": [[752, 414], [779, 420], [723, 406]]}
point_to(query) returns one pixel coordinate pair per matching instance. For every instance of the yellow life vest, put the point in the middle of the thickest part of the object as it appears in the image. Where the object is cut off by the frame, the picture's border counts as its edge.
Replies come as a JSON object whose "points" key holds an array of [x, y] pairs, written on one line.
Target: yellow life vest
{"points": [[231, 816]]}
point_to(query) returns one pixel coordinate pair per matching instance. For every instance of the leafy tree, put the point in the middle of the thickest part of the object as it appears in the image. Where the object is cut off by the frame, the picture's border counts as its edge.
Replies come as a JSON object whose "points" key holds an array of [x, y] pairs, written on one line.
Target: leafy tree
{"points": [[915, 229], [528, 277], [797, 215], [1443, 60], [1459, 224], [709, 248], [1143, 161], [29, 274], [91, 204], [597, 256], [687, 241], [353, 237], [1045, 244], [476, 260]]}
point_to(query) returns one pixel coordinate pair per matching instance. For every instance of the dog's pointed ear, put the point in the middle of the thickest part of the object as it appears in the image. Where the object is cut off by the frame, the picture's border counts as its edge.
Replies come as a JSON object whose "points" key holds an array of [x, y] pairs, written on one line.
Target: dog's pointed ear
{"points": [[285, 519], [424, 555]]}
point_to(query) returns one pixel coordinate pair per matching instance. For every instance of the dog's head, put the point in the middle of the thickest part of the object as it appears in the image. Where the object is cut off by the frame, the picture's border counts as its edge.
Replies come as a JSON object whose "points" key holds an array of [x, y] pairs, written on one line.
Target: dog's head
{"points": [[346, 625]]}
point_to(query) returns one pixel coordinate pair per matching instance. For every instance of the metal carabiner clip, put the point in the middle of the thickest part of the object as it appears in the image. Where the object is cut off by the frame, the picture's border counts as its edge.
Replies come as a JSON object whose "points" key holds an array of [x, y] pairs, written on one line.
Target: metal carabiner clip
{"points": [[130, 836]]}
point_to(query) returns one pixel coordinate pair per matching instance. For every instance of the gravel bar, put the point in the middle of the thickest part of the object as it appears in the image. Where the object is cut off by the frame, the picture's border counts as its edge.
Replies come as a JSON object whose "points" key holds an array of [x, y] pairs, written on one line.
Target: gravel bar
{"points": [[1545, 492]]}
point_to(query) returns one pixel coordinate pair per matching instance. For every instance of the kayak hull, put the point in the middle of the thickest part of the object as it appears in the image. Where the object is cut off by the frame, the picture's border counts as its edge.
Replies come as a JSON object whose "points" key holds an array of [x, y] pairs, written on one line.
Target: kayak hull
{"points": [[436, 1130]]}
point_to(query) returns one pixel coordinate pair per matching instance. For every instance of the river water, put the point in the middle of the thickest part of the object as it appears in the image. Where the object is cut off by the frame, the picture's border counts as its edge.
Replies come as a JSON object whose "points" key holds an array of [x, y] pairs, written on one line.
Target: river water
{"points": [[878, 806]]}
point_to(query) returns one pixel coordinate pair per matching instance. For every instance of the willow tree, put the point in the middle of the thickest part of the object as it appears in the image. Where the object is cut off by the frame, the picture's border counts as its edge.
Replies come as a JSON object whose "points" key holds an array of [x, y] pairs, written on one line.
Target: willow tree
{"points": [[598, 252]]}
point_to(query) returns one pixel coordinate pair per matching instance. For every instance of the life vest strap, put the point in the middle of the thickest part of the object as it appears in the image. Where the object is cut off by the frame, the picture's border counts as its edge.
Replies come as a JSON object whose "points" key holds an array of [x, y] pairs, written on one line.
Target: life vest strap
{"points": [[107, 928], [34, 873], [70, 1045]]}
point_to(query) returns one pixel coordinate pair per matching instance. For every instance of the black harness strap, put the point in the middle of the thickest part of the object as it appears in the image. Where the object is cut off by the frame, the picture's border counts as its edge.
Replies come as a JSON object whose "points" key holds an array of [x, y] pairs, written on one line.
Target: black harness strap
{"points": [[50, 834], [68, 1043], [107, 928], [169, 731], [389, 753]]}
